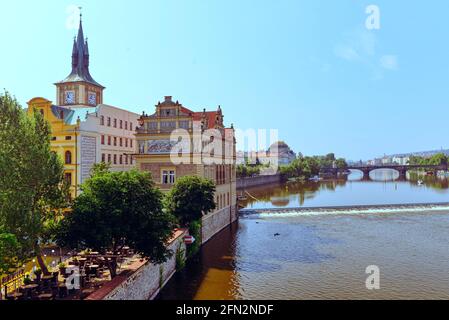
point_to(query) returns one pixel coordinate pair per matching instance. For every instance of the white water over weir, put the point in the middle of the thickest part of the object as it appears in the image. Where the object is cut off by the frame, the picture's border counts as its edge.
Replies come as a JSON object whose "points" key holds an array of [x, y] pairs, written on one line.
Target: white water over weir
{"points": [[340, 210]]}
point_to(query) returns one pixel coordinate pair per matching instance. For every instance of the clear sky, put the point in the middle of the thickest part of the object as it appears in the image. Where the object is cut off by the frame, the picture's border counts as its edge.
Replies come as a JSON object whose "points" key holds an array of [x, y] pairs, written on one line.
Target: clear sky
{"points": [[308, 68]]}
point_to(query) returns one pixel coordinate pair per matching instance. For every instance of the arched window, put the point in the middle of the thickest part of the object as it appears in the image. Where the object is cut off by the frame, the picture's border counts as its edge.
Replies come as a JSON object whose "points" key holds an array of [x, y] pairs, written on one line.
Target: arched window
{"points": [[68, 157]]}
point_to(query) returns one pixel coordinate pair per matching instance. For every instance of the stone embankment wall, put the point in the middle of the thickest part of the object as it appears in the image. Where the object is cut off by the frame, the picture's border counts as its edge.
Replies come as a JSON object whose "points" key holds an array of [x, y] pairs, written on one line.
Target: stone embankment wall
{"points": [[213, 223], [243, 183]]}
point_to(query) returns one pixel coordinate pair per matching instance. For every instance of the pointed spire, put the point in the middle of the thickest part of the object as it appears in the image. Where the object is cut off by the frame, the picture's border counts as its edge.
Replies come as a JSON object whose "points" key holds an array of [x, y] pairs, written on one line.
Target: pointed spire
{"points": [[74, 54], [80, 37], [80, 58], [74, 51], [86, 48]]}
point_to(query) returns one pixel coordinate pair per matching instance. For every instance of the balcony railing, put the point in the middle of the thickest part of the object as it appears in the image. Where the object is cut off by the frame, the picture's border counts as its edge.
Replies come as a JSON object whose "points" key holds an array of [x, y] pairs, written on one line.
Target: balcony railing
{"points": [[159, 131]]}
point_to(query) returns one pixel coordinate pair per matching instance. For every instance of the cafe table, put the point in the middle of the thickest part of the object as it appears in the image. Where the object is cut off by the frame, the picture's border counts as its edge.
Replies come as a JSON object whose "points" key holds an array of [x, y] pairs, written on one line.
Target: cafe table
{"points": [[28, 289], [15, 295]]}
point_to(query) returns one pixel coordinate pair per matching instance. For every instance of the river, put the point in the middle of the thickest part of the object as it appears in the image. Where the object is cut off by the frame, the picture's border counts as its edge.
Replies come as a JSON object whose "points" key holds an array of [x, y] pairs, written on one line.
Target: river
{"points": [[322, 252]]}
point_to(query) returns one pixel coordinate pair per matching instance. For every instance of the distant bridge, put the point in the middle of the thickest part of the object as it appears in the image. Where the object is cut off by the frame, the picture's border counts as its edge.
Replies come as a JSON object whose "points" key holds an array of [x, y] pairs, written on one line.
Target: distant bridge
{"points": [[402, 169]]}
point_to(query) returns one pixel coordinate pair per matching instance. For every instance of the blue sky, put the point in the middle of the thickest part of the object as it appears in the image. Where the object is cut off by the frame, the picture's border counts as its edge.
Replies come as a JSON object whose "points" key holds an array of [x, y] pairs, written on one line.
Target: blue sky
{"points": [[308, 68]]}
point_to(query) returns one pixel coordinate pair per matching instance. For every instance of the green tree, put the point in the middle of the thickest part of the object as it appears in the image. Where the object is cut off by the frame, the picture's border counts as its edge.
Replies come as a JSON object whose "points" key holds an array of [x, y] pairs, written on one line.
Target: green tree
{"points": [[100, 168], [8, 252], [307, 167], [190, 198], [117, 209], [341, 163], [435, 160], [439, 159], [32, 191]]}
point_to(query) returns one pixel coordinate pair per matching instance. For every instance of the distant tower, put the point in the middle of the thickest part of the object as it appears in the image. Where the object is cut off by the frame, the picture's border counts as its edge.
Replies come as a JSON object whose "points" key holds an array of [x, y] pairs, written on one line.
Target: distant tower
{"points": [[79, 89]]}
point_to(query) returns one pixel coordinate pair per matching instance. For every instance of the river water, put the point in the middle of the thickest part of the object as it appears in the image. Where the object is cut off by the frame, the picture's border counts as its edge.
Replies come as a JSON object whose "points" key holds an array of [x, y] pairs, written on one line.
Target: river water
{"points": [[323, 253]]}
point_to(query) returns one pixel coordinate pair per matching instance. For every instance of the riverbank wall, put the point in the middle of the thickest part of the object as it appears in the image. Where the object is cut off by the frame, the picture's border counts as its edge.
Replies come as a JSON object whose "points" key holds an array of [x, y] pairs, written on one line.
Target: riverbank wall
{"points": [[248, 182], [214, 223]]}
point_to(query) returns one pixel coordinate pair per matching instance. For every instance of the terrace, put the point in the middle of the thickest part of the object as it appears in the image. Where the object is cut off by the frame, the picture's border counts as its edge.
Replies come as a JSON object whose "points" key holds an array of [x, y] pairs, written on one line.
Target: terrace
{"points": [[78, 276]]}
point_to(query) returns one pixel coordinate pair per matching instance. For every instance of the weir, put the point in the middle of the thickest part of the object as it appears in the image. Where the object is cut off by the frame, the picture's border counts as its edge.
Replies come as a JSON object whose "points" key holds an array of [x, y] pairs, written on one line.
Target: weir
{"points": [[441, 206]]}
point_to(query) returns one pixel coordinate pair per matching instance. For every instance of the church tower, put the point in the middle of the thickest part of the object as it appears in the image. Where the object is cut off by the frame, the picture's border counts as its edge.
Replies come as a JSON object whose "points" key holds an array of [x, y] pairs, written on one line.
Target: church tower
{"points": [[79, 89]]}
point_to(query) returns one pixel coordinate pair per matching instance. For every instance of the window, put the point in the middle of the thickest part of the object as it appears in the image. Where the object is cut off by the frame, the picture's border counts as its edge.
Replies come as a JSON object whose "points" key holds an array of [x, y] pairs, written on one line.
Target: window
{"points": [[109, 140], [169, 113], [41, 111], [68, 178], [109, 121], [121, 142], [184, 124], [102, 139], [109, 158], [121, 124], [115, 159], [115, 123], [152, 126], [141, 147], [168, 125], [102, 120], [131, 143], [168, 177], [131, 126], [115, 141], [126, 142], [126, 159], [121, 159], [68, 157], [103, 158], [53, 139], [126, 125]]}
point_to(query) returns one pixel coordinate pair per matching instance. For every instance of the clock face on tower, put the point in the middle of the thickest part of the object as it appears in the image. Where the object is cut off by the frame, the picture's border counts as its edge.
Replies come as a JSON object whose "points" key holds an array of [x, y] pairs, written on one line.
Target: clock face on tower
{"points": [[92, 98], [69, 97]]}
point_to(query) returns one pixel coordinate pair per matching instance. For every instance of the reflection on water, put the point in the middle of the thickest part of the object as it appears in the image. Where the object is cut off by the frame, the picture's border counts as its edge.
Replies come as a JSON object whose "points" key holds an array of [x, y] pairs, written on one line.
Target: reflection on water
{"points": [[382, 188], [301, 256]]}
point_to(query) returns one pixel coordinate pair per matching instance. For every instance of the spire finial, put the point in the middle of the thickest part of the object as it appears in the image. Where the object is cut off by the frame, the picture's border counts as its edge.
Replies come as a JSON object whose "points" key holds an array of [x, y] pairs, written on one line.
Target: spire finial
{"points": [[81, 13]]}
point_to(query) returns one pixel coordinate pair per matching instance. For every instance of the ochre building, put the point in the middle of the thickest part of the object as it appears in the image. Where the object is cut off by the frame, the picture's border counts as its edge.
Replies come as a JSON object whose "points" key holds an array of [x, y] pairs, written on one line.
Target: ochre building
{"points": [[175, 133]]}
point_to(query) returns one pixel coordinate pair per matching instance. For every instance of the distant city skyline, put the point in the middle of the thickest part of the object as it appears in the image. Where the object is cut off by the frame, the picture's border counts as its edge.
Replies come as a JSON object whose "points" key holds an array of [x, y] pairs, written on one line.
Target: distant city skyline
{"points": [[311, 70]]}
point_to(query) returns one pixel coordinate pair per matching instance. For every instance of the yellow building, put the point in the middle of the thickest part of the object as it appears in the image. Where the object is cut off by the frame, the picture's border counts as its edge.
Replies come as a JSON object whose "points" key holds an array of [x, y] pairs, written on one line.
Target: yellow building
{"points": [[65, 135]]}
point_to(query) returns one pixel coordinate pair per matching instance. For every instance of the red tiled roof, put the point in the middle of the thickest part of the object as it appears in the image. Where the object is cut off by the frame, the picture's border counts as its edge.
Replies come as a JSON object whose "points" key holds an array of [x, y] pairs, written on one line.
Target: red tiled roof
{"points": [[210, 116], [185, 110]]}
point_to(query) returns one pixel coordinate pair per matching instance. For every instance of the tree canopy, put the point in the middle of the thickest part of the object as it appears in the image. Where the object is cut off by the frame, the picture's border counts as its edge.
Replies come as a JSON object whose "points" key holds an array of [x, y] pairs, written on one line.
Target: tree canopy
{"points": [[8, 252], [190, 199], [118, 209], [307, 167], [32, 189], [435, 160]]}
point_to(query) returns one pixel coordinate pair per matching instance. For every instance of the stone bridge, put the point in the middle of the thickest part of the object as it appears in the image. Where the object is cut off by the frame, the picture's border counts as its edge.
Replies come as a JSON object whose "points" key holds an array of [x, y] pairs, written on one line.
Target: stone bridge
{"points": [[402, 169]]}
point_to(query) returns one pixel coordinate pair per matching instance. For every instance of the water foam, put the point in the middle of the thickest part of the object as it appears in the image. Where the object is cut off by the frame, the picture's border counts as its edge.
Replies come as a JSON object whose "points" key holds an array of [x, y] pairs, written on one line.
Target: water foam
{"points": [[354, 210]]}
